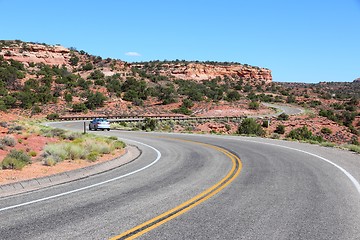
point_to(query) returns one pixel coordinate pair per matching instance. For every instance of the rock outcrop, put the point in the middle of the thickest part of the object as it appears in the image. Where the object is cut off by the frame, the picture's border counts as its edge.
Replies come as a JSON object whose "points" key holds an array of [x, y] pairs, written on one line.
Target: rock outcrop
{"points": [[203, 71], [37, 53], [197, 71]]}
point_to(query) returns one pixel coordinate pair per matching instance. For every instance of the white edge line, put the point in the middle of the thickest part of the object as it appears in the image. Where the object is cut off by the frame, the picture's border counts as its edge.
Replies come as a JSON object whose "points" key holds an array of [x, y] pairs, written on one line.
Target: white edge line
{"points": [[352, 179], [93, 185]]}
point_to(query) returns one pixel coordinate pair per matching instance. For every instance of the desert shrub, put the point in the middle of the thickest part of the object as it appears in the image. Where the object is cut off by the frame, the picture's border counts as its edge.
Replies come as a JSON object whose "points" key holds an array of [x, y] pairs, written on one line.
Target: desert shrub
{"points": [[32, 153], [73, 136], [328, 114], [291, 99], [303, 134], [104, 148], [113, 138], [149, 123], [326, 131], [96, 74], [12, 163], [87, 67], [250, 126], [52, 116], [9, 141], [36, 109], [15, 160], [280, 129], [95, 100], [75, 151], [254, 105], [50, 161], [93, 144], [15, 128], [53, 132], [118, 144], [74, 60], [233, 96], [92, 156], [68, 97], [56, 151], [182, 110], [4, 124], [79, 107], [283, 117], [315, 103]]}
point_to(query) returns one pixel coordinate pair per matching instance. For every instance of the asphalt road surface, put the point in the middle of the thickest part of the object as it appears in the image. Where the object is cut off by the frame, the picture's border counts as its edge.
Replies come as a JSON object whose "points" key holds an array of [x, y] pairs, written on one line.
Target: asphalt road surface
{"points": [[279, 190]]}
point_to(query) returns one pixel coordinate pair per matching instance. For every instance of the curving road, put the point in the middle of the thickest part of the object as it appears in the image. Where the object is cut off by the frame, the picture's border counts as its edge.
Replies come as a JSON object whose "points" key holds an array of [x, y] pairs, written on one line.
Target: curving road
{"points": [[285, 190]]}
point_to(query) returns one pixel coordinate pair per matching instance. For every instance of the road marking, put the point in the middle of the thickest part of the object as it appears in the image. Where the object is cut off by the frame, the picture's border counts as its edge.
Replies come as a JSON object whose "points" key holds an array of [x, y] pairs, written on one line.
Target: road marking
{"points": [[93, 185], [186, 206], [348, 175]]}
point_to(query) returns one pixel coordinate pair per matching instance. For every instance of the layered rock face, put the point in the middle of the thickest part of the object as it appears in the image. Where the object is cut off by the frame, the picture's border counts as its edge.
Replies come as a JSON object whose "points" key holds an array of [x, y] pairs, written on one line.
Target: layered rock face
{"points": [[37, 53], [203, 71], [196, 71]]}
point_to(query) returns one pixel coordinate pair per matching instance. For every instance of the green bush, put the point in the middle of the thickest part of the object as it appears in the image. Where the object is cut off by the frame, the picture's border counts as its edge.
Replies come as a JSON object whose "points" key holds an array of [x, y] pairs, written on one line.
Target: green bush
{"points": [[233, 96], [79, 107], [326, 131], [95, 100], [280, 129], [75, 151], [92, 156], [68, 97], [254, 105], [250, 126], [283, 117], [53, 132], [118, 144], [74, 60], [57, 151], [303, 134], [32, 154], [15, 160], [87, 67], [149, 123]]}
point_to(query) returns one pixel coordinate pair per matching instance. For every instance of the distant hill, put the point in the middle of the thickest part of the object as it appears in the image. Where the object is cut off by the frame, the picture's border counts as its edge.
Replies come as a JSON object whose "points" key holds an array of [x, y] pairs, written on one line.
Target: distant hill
{"points": [[68, 80], [39, 80]]}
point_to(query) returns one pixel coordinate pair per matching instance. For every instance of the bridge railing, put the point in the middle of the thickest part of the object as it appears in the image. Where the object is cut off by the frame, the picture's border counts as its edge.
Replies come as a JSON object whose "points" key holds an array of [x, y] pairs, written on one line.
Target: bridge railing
{"points": [[140, 118]]}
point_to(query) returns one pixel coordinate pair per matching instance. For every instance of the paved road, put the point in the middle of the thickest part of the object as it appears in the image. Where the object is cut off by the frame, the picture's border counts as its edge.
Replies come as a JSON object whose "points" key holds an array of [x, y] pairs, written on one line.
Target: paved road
{"points": [[289, 110], [282, 192]]}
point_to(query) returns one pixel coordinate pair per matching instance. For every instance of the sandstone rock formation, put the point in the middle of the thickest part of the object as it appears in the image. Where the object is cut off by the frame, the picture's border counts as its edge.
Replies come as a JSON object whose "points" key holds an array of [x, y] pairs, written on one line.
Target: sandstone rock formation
{"points": [[196, 71], [204, 71], [37, 53]]}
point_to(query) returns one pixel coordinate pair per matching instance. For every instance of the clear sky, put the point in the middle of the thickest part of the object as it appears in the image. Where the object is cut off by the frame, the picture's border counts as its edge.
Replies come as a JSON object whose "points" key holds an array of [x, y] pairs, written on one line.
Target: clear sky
{"points": [[300, 41]]}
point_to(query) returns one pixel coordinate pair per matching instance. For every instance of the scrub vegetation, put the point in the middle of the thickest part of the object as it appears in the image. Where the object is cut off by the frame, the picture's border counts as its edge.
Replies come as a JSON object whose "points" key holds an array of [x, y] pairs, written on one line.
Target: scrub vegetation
{"points": [[63, 145]]}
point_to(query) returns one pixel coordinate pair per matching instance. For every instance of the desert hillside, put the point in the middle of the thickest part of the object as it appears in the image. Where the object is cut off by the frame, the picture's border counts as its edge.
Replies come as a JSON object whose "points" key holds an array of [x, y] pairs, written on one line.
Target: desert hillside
{"points": [[39, 80]]}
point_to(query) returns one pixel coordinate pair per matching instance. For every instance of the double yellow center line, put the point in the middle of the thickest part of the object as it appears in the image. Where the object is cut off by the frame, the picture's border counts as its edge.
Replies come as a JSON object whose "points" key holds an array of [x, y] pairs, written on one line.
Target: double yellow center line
{"points": [[186, 206]]}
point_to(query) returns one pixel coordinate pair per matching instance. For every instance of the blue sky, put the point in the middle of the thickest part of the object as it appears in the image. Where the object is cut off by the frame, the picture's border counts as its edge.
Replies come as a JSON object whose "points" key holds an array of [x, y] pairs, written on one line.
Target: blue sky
{"points": [[300, 41]]}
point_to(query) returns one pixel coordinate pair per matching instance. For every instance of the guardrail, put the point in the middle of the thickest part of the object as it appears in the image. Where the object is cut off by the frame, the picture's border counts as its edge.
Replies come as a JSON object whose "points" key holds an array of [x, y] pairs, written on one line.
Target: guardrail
{"points": [[127, 118]]}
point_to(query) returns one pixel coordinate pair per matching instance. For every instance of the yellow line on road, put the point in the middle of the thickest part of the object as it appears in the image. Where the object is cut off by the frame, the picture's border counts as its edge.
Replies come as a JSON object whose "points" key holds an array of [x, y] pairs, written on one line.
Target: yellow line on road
{"points": [[186, 206]]}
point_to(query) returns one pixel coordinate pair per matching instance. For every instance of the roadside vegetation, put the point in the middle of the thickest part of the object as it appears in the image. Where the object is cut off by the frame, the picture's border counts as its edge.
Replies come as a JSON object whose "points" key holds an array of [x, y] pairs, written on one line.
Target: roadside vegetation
{"points": [[63, 145]]}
